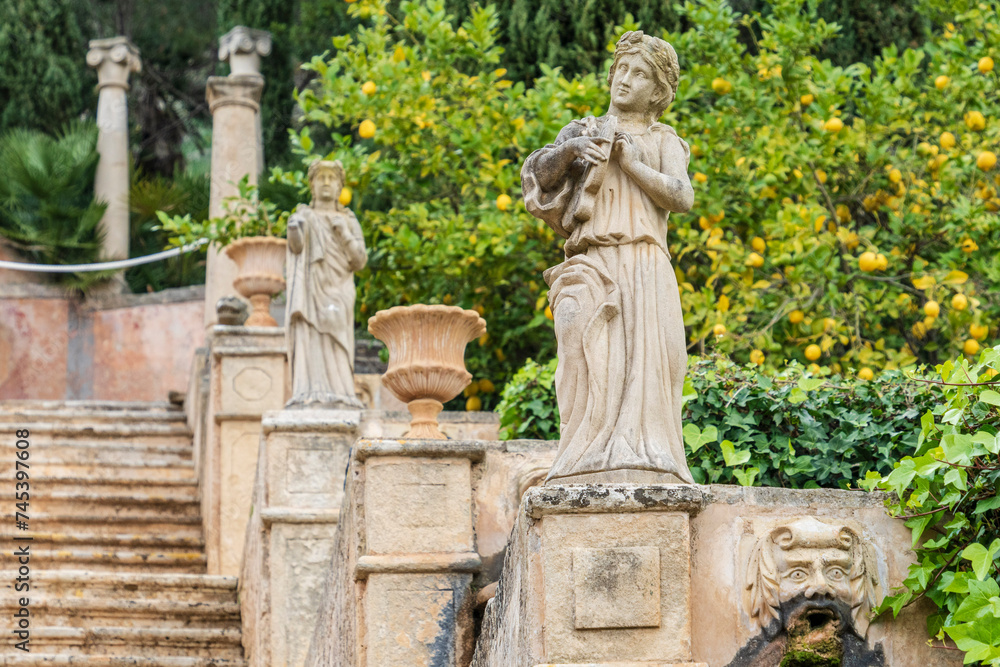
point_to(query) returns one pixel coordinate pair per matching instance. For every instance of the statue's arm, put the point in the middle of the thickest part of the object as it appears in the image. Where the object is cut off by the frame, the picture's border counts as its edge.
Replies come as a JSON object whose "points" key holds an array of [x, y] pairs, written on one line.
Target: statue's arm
{"points": [[296, 231], [357, 253], [554, 161], [670, 189]]}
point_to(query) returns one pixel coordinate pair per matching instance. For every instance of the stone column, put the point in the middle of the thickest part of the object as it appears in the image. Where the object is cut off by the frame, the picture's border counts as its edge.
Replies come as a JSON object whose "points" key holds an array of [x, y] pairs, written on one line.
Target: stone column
{"points": [[237, 151], [247, 379], [114, 60], [292, 532]]}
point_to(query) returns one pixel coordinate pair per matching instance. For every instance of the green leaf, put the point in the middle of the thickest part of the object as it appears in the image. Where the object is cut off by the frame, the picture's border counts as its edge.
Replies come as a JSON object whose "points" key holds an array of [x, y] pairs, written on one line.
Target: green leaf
{"points": [[987, 504], [979, 600], [990, 396], [746, 477], [731, 456], [695, 438], [981, 557], [810, 384]]}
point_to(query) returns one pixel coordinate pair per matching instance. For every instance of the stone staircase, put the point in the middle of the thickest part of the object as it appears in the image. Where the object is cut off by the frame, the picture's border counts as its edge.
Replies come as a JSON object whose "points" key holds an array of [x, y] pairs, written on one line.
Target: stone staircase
{"points": [[117, 560]]}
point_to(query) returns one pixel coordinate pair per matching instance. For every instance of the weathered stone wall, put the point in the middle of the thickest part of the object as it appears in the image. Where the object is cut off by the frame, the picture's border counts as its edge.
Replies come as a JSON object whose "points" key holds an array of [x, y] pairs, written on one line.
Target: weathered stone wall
{"points": [[120, 348], [552, 606]]}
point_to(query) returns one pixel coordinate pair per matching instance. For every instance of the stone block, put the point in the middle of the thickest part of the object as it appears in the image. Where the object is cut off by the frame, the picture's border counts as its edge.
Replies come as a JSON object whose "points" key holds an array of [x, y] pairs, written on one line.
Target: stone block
{"points": [[617, 587], [252, 384], [417, 620], [592, 616], [418, 505]]}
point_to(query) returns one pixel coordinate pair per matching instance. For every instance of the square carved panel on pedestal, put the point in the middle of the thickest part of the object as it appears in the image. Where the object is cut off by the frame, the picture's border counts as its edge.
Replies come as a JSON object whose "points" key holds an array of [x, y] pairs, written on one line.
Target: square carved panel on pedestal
{"points": [[616, 587], [415, 505]]}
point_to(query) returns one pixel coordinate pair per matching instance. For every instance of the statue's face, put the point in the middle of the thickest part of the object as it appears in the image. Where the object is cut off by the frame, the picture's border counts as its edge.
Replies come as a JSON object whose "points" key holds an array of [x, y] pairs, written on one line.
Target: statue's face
{"points": [[815, 573], [326, 186], [633, 84]]}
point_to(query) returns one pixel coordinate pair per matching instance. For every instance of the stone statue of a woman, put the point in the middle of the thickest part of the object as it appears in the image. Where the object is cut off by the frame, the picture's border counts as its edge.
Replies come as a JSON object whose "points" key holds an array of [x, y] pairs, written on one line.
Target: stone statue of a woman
{"points": [[608, 185], [325, 248]]}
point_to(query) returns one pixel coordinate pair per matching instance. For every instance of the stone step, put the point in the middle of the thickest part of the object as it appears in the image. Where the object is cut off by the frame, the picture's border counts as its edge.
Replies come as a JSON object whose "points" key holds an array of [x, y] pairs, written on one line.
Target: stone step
{"points": [[90, 405], [151, 469], [50, 660], [106, 505], [70, 522], [130, 613], [87, 585], [183, 540], [138, 642], [181, 489], [17, 415], [88, 452], [82, 558]]}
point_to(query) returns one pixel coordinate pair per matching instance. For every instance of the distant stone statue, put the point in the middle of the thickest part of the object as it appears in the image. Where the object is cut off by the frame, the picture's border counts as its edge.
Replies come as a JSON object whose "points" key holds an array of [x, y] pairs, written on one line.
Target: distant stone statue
{"points": [[608, 185], [325, 248]]}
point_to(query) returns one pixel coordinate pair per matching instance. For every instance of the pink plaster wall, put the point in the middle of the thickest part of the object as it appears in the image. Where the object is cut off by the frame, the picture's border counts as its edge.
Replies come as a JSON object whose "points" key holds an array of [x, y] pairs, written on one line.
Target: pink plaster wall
{"points": [[143, 352], [33, 346], [135, 348]]}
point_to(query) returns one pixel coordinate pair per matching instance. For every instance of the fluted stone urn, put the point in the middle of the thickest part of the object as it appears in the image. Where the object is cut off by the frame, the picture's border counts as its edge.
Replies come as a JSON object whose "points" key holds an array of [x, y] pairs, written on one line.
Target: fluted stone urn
{"points": [[426, 358], [260, 264]]}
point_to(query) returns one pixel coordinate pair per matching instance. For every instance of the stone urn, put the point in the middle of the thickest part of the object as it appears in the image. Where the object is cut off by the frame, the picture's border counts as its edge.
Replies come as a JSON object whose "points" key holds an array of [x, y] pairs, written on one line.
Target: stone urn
{"points": [[426, 358], [260, 264]]}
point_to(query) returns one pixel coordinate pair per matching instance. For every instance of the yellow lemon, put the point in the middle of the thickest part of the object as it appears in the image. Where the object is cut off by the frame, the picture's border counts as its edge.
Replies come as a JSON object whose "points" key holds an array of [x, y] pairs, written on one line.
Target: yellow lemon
{"points": [[833, 125], [820, 176], [959, 302], [866, 374], [757, 357], [806, 99], [975, 121], [947, 140], [471, 390], [548, 312], [700, 177], [814, 368], [399, 55], [969, 246], [979, 331], [941, 82], [719, 329], [932, 309], [895, 175], [367, 129], [722, 304], [503, 201], [755, 260], [813, 352], [486, 387], [986, 160], [940, 159], [721, 86], [970, 346], [796, 316], [843, 213], [704, 223], [881, 262], [473, 404], [758, 244], [345, 196], [479, 309], [425, 75], [829, 323], [369, 88], [717, 217], [868, 262], [986, 65]]}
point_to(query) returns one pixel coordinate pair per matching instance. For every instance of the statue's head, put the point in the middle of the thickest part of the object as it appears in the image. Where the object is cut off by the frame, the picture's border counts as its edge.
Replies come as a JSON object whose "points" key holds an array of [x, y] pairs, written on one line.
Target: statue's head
{"points": [[644, 74], [326, 180], [813, 570]]}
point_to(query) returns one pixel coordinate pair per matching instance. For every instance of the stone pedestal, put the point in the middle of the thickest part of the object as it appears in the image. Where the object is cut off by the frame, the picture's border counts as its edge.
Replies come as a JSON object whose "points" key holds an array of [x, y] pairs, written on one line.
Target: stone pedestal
{"points": [[247, 379], [234, 101], [607, 568], [114, 60], [290, 540]]}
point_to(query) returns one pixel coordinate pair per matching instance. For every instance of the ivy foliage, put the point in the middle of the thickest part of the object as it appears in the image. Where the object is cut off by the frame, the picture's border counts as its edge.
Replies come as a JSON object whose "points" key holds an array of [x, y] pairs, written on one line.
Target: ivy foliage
{"points": [[947, 492], [742, 426]]}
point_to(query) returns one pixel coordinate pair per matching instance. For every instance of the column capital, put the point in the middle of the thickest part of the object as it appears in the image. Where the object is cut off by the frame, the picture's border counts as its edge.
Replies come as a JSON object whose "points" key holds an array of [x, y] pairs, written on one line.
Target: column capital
{"points": [[243, 47], [114, 58], [235, 89]]}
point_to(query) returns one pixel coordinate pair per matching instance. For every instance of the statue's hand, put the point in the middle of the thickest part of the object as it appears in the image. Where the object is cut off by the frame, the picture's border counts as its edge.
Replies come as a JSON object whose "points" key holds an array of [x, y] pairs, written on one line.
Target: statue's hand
{"points": [[626, 151], [590, 149]]}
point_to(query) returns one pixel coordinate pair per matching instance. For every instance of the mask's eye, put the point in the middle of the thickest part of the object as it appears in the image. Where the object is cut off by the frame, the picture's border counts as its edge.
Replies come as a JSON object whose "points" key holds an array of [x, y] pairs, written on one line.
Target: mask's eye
{"points": [[798, 575], [639, 73], [835, 574]]}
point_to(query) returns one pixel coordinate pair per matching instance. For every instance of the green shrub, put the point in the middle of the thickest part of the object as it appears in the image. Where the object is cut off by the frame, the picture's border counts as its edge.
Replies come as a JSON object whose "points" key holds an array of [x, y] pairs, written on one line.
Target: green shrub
{"points": [[743, 426], [47, 207], [948, 493]]}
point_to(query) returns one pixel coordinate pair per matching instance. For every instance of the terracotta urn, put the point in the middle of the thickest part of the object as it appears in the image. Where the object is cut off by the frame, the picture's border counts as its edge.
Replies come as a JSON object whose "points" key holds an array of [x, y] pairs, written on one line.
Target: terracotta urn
{"points": [[260, 263], [426, 358]]}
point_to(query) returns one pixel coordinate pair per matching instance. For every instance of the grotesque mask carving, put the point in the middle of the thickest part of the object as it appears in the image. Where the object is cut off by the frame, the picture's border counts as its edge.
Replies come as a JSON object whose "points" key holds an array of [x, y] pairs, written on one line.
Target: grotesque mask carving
{"points": [[810, 587]]}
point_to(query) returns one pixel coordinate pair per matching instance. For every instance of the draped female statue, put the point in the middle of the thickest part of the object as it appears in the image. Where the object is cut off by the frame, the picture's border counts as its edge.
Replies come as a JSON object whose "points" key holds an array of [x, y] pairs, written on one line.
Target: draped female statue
{"points": [[608, 185], [325, 248]]}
